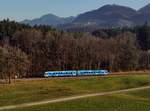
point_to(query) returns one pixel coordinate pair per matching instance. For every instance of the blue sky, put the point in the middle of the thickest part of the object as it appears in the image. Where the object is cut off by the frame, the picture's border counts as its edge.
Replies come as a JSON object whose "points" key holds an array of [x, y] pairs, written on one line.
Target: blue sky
{"points": [[29, 9]]}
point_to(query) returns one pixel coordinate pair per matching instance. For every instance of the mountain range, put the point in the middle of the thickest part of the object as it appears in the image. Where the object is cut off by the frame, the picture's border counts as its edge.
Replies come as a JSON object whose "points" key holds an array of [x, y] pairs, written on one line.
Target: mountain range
{"points": [[49, 19], [106, 16]]}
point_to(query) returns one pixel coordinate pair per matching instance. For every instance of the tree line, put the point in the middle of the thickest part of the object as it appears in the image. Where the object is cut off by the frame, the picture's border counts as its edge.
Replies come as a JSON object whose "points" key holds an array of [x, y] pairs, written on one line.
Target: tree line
{"points": [[27, 51]]}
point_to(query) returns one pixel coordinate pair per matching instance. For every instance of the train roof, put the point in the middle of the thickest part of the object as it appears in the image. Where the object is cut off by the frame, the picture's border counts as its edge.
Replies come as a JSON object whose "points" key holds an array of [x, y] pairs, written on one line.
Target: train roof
{"points": [[60, 71], [74, 71]]}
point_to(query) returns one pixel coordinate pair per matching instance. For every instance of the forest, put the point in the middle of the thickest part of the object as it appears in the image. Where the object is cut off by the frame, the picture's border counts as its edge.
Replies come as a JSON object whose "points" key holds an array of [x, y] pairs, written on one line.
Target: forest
{"points": [[27, 51]]}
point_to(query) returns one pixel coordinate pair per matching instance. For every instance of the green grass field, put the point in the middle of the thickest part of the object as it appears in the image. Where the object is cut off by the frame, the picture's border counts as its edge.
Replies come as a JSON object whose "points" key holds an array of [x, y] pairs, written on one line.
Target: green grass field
{"points": [[24, 91], [133, 101]]}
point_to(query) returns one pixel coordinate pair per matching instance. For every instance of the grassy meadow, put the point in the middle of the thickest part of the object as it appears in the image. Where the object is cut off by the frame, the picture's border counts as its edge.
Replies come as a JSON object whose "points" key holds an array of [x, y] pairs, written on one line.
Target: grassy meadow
{"points": [[133, 101], [24, 91]]}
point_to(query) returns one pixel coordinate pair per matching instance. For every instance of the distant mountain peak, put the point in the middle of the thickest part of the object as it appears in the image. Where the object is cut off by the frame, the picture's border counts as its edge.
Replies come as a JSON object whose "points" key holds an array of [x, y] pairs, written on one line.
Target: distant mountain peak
{"points": [[106, 13], [114, 6], [49, 19], [145, 9], [110, 5], [50, 16]]}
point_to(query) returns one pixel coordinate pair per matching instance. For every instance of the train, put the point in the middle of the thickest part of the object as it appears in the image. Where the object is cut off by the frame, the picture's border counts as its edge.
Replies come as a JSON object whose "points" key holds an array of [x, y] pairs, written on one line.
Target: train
{"points": [[75, 73]]}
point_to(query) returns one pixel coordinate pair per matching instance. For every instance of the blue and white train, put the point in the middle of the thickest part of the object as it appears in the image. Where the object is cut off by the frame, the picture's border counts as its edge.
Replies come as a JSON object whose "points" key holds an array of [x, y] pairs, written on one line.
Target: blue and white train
{"points": [[74, 73]]}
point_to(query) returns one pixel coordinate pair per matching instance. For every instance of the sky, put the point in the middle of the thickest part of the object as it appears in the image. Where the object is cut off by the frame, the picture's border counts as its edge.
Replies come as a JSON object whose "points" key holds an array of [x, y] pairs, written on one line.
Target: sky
{"points": [[28, 9]]}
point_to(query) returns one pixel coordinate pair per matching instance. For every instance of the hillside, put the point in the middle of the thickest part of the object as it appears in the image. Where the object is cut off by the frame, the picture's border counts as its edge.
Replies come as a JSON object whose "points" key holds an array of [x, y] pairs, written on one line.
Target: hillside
{"points": [[108, 15], [142, 16]]}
